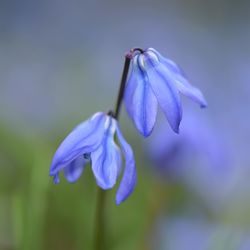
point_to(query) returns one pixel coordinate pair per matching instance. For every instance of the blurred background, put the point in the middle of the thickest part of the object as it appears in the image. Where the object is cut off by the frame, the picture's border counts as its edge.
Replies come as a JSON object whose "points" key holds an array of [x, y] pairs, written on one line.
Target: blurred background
{"points": [[61, 61]]}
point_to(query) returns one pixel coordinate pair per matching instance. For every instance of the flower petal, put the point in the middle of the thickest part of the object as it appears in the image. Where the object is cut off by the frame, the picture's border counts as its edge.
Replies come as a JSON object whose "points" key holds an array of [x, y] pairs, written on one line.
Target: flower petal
{"points": [[171, 65], [106, 159], [181, 81], [85, 138], [190, 91], [73, 171], [129, 178], [56, 179], [131, 85], [164, 89], [141, 102]]}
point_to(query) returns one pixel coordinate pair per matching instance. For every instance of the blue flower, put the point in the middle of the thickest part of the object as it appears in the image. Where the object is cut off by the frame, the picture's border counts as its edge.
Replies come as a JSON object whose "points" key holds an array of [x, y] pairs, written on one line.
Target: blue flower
{"points": [[199, 155], [94, 140], [197, 232], [199, 147], [156, 80]]}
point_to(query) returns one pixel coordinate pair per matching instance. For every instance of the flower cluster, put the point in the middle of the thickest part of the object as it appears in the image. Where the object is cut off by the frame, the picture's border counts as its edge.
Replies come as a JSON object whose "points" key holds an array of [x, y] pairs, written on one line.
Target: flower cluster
{"points": [[153, 80]]}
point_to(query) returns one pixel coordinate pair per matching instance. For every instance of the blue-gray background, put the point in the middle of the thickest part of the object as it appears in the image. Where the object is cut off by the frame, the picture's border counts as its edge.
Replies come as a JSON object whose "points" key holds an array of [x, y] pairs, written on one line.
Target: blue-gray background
{"points": [[61, 61]]}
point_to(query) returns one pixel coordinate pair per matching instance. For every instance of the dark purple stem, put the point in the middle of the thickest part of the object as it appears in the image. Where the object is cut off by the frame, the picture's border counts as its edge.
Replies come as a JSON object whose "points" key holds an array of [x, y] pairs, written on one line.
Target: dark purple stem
{"points": [[128, 58]]}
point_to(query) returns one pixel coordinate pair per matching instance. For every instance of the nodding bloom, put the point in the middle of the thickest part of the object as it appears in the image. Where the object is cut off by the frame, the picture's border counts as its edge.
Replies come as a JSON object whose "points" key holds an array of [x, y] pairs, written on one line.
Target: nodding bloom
{"points": [[156, 80], [94, 140]]}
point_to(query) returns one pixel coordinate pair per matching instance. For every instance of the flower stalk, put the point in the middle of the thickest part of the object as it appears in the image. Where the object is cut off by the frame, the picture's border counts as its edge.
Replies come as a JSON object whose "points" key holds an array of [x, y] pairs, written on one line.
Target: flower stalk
{"points": [[122, 86], [99, 237]]}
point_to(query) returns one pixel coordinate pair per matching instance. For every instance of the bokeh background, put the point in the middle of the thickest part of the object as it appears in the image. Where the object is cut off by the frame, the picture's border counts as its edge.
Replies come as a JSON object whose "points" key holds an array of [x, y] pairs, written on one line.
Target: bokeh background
{"points": [[61, 61]]}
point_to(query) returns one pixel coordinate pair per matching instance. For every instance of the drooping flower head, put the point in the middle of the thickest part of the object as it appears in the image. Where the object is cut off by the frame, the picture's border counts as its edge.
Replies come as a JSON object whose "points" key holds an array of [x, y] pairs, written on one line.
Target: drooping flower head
{"points": [[156, 80], [94, 140]]}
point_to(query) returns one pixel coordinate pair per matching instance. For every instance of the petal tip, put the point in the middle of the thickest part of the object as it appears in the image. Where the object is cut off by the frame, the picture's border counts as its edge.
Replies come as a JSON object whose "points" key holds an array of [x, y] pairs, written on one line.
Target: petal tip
{"points": [[120, 199], [118, 202], [52, 172], [177, 130], [56, 179], [146, 133], [204, 105], [176, 127], [104, 185], [144, 129], [72, 181]]}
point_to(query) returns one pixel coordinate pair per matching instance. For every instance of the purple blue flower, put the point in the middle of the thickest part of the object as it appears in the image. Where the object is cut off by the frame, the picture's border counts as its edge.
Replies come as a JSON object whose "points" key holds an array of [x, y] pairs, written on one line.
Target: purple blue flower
{"points": [[196, 232], [198, 144], [196, 158], [94, 140], [156, 80]]}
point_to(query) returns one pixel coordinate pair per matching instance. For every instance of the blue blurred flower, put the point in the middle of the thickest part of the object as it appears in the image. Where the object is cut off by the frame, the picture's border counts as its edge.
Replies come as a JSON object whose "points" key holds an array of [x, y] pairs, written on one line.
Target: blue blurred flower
{"points": [[94, 140], [155, 79], [198, 144], [197, 157], [194, 232]]}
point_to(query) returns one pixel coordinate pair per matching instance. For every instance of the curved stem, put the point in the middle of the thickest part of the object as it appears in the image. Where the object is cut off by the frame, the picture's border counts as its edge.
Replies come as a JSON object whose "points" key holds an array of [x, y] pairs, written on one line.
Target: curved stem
{"points": [[122, 86], [99, 237], [128, 58]]}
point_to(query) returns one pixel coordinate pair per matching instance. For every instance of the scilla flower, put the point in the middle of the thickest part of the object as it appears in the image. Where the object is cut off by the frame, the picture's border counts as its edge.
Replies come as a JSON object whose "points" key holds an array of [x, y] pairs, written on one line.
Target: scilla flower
{"points": [[156, 80], [94, 140]]}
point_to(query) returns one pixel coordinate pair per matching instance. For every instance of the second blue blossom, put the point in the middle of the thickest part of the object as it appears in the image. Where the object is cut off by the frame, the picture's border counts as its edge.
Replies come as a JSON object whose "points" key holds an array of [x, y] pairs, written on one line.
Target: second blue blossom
{"points": [[156, 80]]}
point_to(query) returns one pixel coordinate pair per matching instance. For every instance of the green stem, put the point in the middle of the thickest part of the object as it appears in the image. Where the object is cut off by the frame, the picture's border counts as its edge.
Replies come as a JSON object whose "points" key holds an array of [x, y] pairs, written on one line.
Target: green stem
{"points": [[99, 238]]}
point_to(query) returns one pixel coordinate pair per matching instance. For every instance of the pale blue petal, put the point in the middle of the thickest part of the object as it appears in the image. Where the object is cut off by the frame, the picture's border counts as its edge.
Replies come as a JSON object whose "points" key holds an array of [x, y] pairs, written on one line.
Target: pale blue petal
{"points": [[129, 178], [142, 105], [85, 138], [171, 65], [56, 179], [106, 159], [181, 81], [145, 108], [73, 171], [131, 85], [164, 89], [190, 91]]}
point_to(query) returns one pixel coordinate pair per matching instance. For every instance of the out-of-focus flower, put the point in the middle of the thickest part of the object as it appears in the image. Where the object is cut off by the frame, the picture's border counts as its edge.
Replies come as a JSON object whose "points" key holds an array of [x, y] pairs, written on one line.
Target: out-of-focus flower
{"points": [[155, 79], [198, 157], [198, 142], [94, 140], [189, 233]]}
